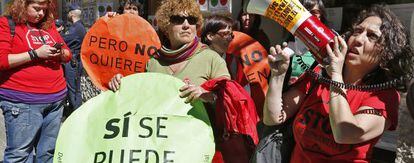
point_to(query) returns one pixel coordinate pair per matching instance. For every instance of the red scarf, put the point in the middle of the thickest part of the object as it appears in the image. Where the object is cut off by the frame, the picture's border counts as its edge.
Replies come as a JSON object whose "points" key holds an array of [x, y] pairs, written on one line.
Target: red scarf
{"points": [[179, 55]]}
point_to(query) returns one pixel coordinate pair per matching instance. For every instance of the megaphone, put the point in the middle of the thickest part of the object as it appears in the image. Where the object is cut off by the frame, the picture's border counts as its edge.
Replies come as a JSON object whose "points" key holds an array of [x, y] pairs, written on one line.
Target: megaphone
{"points": [[297, 20]]}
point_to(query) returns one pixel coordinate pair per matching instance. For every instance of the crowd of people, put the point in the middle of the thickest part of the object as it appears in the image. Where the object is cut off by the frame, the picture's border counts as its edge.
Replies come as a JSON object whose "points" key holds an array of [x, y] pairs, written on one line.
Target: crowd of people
{"points": [[338, 110]]}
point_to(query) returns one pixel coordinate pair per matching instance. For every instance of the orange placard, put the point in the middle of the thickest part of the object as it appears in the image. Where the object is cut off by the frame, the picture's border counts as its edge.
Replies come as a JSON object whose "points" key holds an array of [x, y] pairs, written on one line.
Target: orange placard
{"points": [[255, 67], [122, 44]]}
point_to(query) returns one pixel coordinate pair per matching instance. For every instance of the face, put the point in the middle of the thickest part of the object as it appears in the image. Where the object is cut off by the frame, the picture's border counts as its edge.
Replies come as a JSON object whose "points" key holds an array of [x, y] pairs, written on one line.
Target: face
{"points": [[247, 21], [182, 29], [363, 44], [130, 9], [70, 15], [220, 41], [36, 11], [315, 11]]}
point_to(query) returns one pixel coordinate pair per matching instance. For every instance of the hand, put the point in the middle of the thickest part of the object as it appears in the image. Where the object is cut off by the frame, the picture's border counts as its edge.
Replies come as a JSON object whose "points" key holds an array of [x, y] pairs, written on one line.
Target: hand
{"points": [[336, 57], [115, 83], [47, 52], [65, 56], [278, 66], [192, 93]]}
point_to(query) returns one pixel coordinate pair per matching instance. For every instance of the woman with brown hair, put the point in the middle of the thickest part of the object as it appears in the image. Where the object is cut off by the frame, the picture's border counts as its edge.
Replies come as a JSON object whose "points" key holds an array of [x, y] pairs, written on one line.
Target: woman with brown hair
{"points": [[340, 111], [32, 86]]}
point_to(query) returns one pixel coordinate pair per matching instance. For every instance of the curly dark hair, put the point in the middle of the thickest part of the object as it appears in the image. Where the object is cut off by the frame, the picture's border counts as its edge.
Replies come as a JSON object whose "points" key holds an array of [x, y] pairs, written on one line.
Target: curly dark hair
{"points": [[396, 54], [18, 11]]}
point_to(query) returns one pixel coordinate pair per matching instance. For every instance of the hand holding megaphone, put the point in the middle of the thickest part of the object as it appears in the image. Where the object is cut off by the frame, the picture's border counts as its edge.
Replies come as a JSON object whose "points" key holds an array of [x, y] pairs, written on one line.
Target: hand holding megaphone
{"points": [[296, 19]]}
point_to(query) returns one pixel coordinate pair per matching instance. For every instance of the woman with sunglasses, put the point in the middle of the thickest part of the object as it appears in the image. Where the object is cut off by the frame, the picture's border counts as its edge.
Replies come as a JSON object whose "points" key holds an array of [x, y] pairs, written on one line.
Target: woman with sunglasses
{"points": [[340, 111], [32, 85], [182, 55]]}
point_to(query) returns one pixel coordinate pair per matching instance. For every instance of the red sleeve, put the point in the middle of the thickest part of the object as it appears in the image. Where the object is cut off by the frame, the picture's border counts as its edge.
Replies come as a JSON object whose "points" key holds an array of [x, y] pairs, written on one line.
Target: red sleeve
{"points": [[386, 101], [5, 43]]}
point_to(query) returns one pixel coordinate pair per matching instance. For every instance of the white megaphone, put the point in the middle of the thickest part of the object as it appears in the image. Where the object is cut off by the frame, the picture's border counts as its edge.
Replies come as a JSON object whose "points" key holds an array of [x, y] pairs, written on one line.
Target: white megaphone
{"points": [[297, 20]]}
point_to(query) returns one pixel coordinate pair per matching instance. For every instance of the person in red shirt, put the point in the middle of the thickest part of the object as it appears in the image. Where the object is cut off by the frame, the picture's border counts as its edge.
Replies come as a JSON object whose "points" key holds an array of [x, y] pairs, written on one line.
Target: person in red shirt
{"points": [[341, 111], [32, 86]]}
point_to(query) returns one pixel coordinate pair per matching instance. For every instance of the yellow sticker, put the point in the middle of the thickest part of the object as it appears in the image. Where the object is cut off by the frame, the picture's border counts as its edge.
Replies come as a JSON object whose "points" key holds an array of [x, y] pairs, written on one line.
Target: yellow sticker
{"points": [[288, 13]]}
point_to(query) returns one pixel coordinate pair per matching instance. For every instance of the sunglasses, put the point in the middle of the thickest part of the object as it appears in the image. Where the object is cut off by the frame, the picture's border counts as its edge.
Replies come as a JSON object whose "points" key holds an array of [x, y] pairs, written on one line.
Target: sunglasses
{"points": [[226, 34], [176, 19]]}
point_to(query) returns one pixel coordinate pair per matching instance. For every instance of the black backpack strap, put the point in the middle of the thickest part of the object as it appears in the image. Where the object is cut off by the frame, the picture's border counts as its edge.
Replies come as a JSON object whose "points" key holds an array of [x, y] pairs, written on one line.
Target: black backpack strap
{"points": [[12, 26]]}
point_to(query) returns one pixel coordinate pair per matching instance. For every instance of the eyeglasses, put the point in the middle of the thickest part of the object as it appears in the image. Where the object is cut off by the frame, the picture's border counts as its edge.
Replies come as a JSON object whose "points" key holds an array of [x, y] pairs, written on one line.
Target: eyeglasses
{"points": [[176, 19], [226, 34]]}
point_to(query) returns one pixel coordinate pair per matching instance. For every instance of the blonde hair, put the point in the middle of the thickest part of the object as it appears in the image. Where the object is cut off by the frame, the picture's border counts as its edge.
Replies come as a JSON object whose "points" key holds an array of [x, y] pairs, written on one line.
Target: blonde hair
{"points": [[169, 8]]}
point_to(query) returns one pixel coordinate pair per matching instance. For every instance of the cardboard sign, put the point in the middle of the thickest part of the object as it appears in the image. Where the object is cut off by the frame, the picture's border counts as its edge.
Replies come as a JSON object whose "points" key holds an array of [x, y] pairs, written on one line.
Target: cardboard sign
{"points": [[145, 121], [122, 44], [255, 66]]}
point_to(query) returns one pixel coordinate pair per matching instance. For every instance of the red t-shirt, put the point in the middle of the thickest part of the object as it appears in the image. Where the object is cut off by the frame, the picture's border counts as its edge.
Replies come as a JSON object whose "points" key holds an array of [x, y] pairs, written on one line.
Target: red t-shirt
{"points": [[312, 130], [43, 76]]}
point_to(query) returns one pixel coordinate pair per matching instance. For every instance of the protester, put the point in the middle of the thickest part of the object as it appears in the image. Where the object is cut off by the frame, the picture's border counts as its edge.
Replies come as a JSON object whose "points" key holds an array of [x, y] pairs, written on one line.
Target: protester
{"points": [[129, 7], [303, 58], [332, 123], [249, 24], [217, 33], [182, 54], [184, 57], [132, 7], [74, 69], [32, 86]]}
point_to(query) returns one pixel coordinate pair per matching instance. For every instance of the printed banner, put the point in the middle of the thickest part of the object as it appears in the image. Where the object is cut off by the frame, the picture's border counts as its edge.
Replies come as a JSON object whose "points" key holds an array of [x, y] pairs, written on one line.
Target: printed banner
{"points": [[122, 44], [255, 66], [145, 121]]}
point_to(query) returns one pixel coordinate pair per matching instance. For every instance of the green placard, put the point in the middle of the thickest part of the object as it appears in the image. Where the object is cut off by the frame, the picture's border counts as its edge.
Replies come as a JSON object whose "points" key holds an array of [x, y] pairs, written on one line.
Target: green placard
{"points": [[145, 121]]}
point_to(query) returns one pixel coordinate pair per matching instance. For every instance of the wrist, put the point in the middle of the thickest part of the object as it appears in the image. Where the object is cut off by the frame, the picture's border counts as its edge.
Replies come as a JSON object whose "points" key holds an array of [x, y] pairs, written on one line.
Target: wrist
{"points": [[337, 77], [33, 55], [276, 75]]}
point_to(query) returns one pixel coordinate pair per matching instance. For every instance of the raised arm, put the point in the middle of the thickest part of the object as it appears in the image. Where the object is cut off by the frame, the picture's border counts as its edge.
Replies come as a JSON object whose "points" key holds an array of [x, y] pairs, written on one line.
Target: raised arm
{"points": [[279, 107]]}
